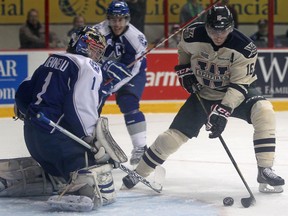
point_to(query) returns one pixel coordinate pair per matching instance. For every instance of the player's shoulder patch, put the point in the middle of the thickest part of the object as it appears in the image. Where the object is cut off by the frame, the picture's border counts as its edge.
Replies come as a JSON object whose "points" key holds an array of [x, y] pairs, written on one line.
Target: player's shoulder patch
{"points": [[193, 32], [243, 44], [134, 38], [142, 40], [94, 65], [251, 49]]}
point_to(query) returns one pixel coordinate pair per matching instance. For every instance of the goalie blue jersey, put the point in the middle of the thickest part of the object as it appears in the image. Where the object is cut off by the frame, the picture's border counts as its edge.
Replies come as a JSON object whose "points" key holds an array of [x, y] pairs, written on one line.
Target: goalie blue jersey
{"points": [[65, 89]]}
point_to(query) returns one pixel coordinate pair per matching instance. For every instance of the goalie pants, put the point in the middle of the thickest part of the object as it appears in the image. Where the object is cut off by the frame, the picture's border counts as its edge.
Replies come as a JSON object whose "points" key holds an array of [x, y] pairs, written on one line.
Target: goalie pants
{"points": [[57, 154]]}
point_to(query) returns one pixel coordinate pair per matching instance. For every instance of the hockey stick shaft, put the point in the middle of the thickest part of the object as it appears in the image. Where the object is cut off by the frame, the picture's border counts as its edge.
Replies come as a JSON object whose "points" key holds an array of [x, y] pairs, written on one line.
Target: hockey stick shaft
{"points": [[228, 152], [43, 118], [172, 35]]}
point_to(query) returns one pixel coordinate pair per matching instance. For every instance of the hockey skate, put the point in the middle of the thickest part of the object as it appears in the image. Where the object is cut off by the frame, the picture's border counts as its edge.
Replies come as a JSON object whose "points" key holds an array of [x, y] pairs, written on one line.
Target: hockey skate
{"points": [[137, 154], [268, 181]]}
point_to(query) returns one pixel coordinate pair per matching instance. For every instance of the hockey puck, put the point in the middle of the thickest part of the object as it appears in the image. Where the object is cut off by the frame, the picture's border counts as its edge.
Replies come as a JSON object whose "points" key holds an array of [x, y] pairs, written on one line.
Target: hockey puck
{"points": [[228, 201]]}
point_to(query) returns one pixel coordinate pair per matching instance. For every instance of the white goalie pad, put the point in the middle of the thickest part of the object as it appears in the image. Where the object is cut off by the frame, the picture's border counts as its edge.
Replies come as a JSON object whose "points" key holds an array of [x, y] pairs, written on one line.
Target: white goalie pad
{"points": [[71, 203], [24, 177], [93, 187], [105, 139]]}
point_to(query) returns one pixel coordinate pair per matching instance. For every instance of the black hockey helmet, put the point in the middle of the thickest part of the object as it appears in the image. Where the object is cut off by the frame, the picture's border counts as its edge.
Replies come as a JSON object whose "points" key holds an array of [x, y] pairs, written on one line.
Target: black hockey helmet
{"points": [[219, 18]]}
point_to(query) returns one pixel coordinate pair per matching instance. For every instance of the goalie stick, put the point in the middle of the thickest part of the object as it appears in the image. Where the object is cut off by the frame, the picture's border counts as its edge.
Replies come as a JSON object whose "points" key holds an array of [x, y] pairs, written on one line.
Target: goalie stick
{"points": [[43, 118], [156, 187]]}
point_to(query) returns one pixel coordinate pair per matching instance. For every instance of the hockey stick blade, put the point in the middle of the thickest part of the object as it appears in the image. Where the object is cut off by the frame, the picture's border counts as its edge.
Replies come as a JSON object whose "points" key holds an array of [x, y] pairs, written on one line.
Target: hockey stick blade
{"points": [[247, 202], [157, 188]]}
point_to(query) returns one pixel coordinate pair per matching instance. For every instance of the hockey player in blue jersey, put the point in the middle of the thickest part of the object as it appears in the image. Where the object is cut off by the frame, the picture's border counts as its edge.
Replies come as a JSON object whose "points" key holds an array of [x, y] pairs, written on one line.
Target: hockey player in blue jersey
{"points": [[217, 63], [66, 89], [125, 45]]}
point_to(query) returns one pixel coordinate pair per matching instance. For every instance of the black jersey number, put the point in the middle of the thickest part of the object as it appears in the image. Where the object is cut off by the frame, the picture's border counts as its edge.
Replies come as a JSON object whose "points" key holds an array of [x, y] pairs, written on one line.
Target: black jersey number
{"points": [[250, 69]]}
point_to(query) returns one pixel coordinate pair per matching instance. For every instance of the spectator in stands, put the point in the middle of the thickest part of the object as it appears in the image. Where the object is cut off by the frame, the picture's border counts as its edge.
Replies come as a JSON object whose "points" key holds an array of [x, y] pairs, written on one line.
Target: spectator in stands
{"points": [[32, 34], [137, 12], [55, 41], [78, 22], [190, 10], [260, 37], [232, 10]]}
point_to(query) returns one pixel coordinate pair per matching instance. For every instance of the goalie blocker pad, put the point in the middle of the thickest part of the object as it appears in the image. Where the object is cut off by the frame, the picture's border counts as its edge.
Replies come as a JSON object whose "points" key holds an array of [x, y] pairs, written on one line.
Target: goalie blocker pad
{"points": [[105, 139]]}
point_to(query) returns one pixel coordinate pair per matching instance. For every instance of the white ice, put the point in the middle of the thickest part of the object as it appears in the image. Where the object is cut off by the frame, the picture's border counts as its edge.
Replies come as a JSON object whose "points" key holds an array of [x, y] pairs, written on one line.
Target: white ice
{"points": [[198, 176]]}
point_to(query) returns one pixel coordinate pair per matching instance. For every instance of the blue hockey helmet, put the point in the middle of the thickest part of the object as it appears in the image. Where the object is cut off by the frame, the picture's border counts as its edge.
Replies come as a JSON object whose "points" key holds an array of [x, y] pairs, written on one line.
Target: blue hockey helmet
{"points": [[88, 42], [118, 9]]}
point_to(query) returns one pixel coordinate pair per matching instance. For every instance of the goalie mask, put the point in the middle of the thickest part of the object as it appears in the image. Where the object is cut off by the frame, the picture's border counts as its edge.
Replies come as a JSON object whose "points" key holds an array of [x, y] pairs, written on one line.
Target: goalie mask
{"points": [[88, 42]]}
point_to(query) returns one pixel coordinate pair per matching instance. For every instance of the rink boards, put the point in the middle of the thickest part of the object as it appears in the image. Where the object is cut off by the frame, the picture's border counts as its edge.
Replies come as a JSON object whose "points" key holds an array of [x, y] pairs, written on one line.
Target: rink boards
{"points": [[162, 94]]}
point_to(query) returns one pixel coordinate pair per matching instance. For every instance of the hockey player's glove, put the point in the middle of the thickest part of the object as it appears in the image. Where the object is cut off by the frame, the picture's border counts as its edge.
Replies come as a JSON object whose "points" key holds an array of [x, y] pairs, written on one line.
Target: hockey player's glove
{"points": [[113, 73], [187, 78], [217, 119]]}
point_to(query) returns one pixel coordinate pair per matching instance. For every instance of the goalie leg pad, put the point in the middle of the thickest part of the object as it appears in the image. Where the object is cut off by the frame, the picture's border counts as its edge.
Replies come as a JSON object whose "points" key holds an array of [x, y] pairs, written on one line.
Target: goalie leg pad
{"points": [[24, 177], [95, 183], [105, 139]]}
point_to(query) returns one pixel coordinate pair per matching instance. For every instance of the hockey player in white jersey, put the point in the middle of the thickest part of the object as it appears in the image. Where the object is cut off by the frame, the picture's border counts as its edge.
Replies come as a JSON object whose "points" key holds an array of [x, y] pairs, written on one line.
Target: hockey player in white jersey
{"points": [[217, 62], [66, 89], [125, 45]]}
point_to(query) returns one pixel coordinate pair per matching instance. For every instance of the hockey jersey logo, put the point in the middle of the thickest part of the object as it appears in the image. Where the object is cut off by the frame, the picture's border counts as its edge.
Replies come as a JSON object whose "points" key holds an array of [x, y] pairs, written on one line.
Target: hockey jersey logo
{"points": [[212, 75], [114, 51], [142, 40], [251, 48], [188, 33]]}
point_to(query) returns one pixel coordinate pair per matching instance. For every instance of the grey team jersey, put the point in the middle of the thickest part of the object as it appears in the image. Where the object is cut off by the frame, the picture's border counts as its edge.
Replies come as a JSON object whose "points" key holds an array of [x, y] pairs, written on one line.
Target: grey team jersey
{"points": [[225, 71]]}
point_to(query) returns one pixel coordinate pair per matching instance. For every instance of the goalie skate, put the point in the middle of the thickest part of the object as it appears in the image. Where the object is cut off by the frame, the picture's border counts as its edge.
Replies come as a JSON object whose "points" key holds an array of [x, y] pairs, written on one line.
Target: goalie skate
{"points": [[105, 139], [268, 181], [71, 203]]}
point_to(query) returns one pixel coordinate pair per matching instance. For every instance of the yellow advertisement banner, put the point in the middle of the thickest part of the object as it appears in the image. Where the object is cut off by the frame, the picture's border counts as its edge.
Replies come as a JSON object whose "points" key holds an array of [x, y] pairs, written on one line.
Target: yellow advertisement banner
{"points": [[63, 11]]}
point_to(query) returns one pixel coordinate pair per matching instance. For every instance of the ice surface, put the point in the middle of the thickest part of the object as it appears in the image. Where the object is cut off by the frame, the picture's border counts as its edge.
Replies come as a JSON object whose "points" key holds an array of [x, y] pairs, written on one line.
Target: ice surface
{"points": [[198, 176]]}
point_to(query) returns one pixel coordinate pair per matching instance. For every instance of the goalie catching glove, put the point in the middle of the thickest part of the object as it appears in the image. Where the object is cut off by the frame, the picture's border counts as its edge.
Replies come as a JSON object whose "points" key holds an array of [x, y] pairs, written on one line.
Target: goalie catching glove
{"points": [[187, 78], [217, 119], [105, 144], [113, 74]]}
